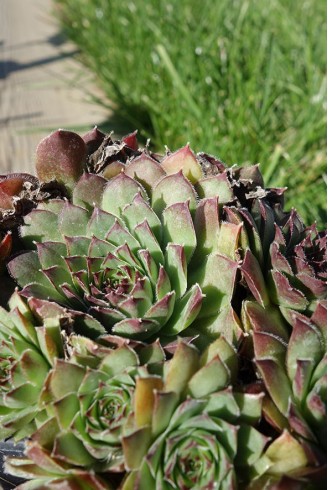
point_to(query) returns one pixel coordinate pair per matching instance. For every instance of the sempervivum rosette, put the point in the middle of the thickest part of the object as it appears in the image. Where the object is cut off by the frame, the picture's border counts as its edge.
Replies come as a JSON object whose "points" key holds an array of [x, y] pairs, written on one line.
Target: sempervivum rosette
{"points": [[28, 349], [195, 431], [294, 375], [287, 275], [143, 254], [87, 406]]}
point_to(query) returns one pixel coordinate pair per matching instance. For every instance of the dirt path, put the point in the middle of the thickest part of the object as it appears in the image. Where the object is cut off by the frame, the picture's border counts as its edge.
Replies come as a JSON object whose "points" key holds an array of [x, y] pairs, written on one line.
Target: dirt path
{"points": [[42, 87]]}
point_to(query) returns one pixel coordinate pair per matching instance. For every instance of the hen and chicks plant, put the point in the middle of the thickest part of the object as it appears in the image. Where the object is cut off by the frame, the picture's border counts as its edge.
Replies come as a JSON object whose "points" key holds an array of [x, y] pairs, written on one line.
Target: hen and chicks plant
{"points": [[168, 325]]}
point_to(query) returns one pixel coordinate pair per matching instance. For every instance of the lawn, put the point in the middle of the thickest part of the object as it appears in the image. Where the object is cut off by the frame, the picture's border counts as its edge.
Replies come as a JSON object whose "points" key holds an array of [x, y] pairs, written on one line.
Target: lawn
{"points": [[244, 80]]}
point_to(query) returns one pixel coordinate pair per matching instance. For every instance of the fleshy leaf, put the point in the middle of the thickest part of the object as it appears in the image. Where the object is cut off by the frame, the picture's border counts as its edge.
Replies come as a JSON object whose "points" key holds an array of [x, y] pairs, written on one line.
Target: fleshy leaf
{"points": [[207, 226], [217, 281], [178, 228], [284, 294], [286, 454], [173, 189], [182, 366], [185, 311], [254, 278], [214, 376], [144, 398], [145, 170], [183, 159], [216, 186], [73, 220], [40, 225], [119, 192], [88, 190]]}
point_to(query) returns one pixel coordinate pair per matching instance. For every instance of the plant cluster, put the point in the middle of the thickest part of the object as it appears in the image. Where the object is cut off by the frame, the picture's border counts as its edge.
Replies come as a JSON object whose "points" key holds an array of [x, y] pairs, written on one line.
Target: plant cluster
{"points": [[166, 323]]}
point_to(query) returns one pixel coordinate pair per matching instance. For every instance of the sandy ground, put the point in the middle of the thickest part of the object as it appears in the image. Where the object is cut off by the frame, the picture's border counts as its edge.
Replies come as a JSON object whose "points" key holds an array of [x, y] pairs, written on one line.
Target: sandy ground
{"points": [[42, 86]]}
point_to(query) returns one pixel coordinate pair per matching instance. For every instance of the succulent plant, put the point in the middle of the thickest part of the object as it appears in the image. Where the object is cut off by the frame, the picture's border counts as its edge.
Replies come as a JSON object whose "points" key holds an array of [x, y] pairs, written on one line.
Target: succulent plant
{"points": [[19, 194], [289, 274], [294, 375], [88, 406], [143, 253], [194, 431], [27, 352], [170, 332]]}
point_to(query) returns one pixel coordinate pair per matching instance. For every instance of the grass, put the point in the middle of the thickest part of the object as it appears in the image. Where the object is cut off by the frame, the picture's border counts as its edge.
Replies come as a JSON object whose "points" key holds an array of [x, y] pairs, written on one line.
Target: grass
{"points": [[242, 79]]}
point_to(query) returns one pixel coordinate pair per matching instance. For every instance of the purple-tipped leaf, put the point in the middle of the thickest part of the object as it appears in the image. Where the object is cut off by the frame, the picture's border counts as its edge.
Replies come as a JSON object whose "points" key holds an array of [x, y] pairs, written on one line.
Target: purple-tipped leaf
{"points": [[178, 228], [254, 278], [145, 170], [88, 191], [173, 189], [119, 192], [183, 159]]}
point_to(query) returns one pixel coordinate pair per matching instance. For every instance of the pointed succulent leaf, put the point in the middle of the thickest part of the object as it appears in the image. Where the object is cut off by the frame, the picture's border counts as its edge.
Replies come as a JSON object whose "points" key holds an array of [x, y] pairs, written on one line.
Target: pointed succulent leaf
{"points": [[305, 343], [163, 284], [164, 406], [51, 253], [136, 328], [254, 278], [131, 140], [269, 346], [212, 377], [138, 211], [135, 446], [93, 139], [73, 220], [118, 360], [88, 190], [178, 228], [173, 189], [144, 399], [251, 444], [216, 186], [70, 449], [185, 311], [227, 354], [145, 170], [284, 294], [176, 267], [224, 323], [40, 225], [50, 340], [182, 366], [276, 382], [207, 226], [227, 242], [26, 268], [119, 192], [250, 406], [100, 223], [216, 279], [264, 320], [66, 378], [148, 241], [301, 381], [161, 311], [286, 454], [183, 159]]}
